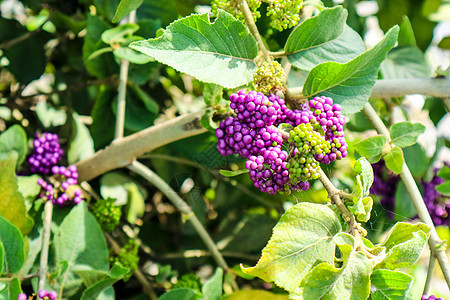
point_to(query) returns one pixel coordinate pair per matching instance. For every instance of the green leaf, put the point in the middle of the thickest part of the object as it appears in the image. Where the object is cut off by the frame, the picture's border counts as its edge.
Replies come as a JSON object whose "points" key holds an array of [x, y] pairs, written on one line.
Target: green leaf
{"points": [[394, 160], [405, 133], [404, 208], [444, 188], [136, 202], [212, 289], [29, 189], [406, 34], [212, 94], [444, 173], [119, 34], [132, 56], [362, 209], [150, 104], [124, 8], [350, 84], [81, 243], [181, 294], [390, 285], [371, 147], [416, 159], [302, 237], [112, 185], [109, 278], [207, 120], [14, 139], [13, 246], [404, 245], [50, 116], [323, 38], [223, 51], [10, 290], [1, 257], [365, 174], [405, 62], [229, 173], [445, 43], [255, 294], [12, 204], [81, 145], [327, 282]]}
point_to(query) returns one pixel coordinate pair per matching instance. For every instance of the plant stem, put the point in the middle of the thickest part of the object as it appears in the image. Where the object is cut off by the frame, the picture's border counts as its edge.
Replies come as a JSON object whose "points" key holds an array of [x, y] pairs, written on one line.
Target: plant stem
{"points": [[388, 88], [148, 289], [48, 210], [184, 208], [121, 153], [201, 253], [123, 78], [431, 264], [334, 195], [243, 6], [413, 191]]}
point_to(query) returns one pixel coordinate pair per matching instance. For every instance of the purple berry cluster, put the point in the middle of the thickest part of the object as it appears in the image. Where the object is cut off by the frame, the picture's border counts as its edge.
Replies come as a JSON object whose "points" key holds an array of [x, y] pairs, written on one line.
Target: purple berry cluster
{"points": [[253, 134], [64, 189], [432, 297], [438, 205], [46, 153], [384, 185], [43, 294]]}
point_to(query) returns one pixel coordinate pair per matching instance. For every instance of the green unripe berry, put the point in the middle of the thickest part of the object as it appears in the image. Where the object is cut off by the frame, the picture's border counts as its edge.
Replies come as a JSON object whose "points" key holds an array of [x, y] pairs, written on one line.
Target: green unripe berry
{"points": [[107, 214]]}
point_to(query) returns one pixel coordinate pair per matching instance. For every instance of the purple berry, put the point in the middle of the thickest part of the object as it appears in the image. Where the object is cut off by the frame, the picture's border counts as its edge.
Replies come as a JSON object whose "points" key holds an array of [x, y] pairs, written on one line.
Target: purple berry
{"points": [[42, 294], [52, 295], [22, 296]]}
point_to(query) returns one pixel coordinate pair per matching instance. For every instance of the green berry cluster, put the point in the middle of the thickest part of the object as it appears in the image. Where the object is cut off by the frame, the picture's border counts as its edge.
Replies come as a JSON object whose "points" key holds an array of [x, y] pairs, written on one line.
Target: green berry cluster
{"points": [[309, 144], [128, 258], [231, 7], [107, 214], [190, 281], [284, 13], [268, 78]]}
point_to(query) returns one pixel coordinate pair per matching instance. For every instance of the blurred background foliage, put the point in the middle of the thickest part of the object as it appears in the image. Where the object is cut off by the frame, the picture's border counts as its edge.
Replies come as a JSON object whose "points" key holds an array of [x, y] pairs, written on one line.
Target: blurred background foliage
{"points": [[59, 66]]}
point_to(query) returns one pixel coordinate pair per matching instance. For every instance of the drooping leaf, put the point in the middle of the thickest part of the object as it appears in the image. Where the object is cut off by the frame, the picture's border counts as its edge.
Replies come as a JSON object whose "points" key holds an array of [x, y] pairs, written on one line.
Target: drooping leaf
{"points": [[444, 173], [229, 173], [405, 62], [327, 282], [112, 185], [212, 289], [350, 84], [372, 147], [132, 55], [390, 285], [13, 247], [302, 237], [416, 159], [12, 204], [405, 134], [394, 160], [81, 243], [14, 139], [223, 51], [323, 38], [124, 8], [136, 202]]}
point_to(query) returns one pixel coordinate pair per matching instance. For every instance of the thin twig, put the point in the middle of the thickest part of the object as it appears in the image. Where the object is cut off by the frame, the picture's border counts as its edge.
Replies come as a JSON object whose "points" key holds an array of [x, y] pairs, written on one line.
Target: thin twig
{"points": [[413, 191], [431, 264], [43, 266], [243, 6], [195, 253], [148, 288], [184, 208]]}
